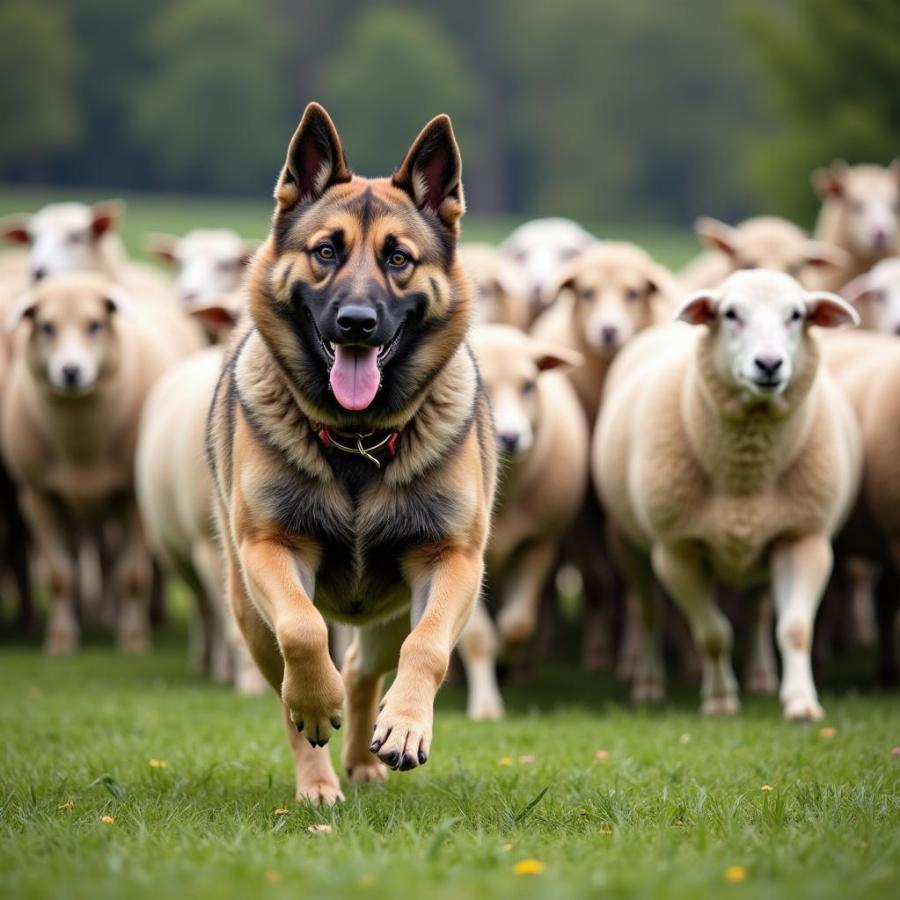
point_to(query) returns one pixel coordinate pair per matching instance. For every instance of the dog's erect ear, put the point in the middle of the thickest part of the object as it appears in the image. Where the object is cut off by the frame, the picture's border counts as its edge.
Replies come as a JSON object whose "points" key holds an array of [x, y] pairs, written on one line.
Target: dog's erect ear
{"points": [[715, 234], [14, 228], [105, 216], [829, 311], [701, 308], [830, 182], [431, 172], [315, 160], [162, 245]]}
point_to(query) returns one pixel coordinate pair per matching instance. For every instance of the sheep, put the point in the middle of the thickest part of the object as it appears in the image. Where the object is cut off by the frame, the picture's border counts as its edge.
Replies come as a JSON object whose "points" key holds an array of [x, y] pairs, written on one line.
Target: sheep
{"points": [[764, 242], [75, 237], [542, 438], [175, 497], [876, 296], [540, 248], [85, 356], [499, 286], [860, 213], [729, 455], [867, 366]]}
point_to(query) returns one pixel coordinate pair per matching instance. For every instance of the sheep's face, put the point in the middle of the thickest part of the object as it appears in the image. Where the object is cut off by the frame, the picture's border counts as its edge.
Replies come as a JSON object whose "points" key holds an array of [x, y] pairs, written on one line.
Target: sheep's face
{"points": [[870, 197], [771, 243], [62, 237], [72, 341], [758, 323], [210, 263], [512, 364], [876, 296], [498, 285], [541, 248]]}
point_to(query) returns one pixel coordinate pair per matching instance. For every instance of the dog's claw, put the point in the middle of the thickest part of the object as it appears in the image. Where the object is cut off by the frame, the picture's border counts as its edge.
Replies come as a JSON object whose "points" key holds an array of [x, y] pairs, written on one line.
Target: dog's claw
{"points": [[423, 757], [375, 746], [408, 762], [336, 724], [392, 759], [299, 726]]}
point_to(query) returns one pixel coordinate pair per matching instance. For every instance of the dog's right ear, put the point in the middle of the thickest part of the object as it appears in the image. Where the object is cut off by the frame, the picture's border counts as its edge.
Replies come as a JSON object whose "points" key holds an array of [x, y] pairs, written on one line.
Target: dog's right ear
{"points": [[315, 160], [24, 309], [14, 228]]}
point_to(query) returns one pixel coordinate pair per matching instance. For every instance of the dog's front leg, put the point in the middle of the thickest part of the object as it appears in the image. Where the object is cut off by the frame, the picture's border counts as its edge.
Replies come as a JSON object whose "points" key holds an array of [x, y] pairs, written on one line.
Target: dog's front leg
{"points": [[312, 689], [449, 583]]}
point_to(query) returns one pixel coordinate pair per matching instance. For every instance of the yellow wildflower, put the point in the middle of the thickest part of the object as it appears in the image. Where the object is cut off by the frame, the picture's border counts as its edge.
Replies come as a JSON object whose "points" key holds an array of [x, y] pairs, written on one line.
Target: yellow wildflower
{"points": [[528, 867], [735, 873]]}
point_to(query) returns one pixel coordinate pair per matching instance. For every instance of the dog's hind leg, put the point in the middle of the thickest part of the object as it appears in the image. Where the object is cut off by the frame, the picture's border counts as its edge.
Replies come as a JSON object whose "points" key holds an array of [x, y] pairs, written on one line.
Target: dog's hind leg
{"points": [[374, 651]]}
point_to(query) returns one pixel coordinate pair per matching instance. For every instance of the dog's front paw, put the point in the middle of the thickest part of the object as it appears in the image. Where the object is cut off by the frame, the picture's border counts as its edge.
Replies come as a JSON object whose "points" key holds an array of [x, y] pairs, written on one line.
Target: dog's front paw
{"points": [[402, 736], [314, 696]]}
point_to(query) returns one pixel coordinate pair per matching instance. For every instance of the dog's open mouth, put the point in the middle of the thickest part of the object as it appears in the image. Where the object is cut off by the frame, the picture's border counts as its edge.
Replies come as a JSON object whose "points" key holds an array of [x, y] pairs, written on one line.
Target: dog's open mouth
{"points": [[355, 374]]}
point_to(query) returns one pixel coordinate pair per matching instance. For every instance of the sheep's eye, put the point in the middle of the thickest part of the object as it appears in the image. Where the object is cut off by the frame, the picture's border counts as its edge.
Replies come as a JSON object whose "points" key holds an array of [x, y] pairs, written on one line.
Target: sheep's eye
{"points": [[731, 315], [325, 252], [749, 265], [796, 316], [587, 294], [47, 329], [528, 387], [632, 294], [76, 237], [94, 326], [399, 259], [227, 266]]}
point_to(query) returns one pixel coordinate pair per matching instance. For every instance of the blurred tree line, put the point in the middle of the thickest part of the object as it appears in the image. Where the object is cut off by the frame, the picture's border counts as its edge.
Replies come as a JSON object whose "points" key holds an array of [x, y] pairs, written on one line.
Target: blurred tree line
{"points": [[597, 109]]}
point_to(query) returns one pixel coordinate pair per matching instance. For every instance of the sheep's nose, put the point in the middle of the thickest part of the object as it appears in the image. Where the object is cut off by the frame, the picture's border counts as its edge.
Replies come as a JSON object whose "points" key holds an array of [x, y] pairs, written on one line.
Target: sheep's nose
{"points": [[881, 238], [509, 441], [71, 375], [610, 335], [768, 365], [38, 272], [356, 322]]}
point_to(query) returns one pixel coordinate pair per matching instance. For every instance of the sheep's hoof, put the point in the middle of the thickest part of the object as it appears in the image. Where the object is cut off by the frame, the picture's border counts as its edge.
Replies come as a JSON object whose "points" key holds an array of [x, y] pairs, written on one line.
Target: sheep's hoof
{"points": [[726, 705], [648, 690], [803, 709], [762, 683], [485, 709]]}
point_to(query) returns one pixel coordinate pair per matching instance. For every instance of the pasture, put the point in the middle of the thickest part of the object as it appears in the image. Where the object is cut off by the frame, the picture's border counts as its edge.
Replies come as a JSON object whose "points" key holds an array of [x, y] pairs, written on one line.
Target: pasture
{"points": [[133, 777]]}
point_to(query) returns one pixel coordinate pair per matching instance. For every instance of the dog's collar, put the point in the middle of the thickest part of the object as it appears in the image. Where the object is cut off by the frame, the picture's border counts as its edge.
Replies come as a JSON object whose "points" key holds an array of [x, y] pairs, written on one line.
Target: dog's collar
{"points": [[382, 441]]}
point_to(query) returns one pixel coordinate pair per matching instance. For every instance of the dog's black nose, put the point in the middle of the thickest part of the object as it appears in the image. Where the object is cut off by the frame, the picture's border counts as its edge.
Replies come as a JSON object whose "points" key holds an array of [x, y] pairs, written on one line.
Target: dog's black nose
{"points": [[509, 442], [768, 365], [71, 375], [356, 322], [38, 273]]}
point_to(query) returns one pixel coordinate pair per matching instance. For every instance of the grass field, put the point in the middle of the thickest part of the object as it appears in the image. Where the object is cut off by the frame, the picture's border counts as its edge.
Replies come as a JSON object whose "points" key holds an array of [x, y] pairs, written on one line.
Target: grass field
{"points": [[675, 807], [161, 212]]}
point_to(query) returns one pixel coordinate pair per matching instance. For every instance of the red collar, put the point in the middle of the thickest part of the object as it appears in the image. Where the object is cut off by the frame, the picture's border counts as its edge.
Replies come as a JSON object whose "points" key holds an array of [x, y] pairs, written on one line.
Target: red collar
{"points": [[332, 437]]}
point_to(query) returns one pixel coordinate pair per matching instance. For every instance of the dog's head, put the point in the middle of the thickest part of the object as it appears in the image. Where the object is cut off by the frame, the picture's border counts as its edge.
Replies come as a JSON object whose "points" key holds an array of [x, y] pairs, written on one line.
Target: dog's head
{"points": [[358, 292]]}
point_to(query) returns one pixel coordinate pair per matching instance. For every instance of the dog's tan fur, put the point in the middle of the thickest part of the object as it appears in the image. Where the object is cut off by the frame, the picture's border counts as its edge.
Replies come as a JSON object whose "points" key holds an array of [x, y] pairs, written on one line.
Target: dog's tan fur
{"points": [[74, 455], [276, 484], [542, 486]]}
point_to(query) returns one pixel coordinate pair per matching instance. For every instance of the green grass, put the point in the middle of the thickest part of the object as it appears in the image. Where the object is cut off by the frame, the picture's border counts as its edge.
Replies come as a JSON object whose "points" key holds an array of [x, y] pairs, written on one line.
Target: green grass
{"points": [[676, 803], [251, 217]]}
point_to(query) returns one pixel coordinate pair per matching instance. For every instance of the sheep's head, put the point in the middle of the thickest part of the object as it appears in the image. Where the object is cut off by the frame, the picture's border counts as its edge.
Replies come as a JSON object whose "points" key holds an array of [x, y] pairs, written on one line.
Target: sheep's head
{"points": [[615, 289], [870, 197], [876, 296], [512, 363], [72, 340], [758, 324], [62, 237]]}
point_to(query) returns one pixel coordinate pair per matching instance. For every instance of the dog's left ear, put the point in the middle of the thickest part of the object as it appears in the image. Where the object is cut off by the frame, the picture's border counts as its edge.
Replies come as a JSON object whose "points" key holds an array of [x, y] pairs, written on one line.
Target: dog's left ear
{"points": [[315, 160], [431, 172]]}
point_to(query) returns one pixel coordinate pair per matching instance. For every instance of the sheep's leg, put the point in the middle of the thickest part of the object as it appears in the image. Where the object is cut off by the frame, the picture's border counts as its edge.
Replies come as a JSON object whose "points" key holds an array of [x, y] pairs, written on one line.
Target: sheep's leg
{"points": [[649, 673], [682, 573], [53, 536], [761, 673], [133, 576], [477, 648], [524, 581], [800, 571]]}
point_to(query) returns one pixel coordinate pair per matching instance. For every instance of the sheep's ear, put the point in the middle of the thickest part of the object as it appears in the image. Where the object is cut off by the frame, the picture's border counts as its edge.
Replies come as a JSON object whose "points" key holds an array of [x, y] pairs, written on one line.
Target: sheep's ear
{"points": [[315, 160], [14, 229], [249, 249], [857, 290], [830, 182], [24, 309], [701, 308], [118, 302], [105, 216], [829, 311], [162, 245], [715, 234], [215, 315], [820, 255], [894, 167], [660, 281], [431, 172], [555, 356]]}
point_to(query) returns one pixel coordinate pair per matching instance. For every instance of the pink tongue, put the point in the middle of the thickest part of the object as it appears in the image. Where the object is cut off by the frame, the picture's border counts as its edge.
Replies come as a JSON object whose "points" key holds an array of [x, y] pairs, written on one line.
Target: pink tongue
{"points": [[354, 376]]}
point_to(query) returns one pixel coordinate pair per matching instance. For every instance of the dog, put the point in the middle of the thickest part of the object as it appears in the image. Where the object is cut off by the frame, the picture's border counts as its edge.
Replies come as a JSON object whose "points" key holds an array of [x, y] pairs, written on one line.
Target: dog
{"points": [[353, 453]]}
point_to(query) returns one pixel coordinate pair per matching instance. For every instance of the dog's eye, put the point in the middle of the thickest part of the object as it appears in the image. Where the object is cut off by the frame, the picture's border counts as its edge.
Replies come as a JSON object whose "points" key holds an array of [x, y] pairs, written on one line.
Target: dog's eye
{"points": [[325, 252], [47, 329], [399, 259], [94, 326]]}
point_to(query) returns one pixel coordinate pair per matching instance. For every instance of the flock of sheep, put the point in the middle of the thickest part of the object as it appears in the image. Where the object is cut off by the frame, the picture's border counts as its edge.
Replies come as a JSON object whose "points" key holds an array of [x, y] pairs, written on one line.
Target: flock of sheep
{"points": [[709, 436]]}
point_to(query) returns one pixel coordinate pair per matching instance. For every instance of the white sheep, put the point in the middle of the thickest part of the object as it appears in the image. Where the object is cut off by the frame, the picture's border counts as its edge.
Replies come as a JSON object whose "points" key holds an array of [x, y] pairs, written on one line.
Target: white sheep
{"points": [[876, 296], [728, 455], [500, 288]]}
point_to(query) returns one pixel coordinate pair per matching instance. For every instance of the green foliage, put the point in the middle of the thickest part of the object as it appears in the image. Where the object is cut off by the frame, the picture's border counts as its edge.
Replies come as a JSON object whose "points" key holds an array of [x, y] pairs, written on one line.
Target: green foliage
{"points": [[833, 70], [395, 71], [213, 113], [37, 64]]}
